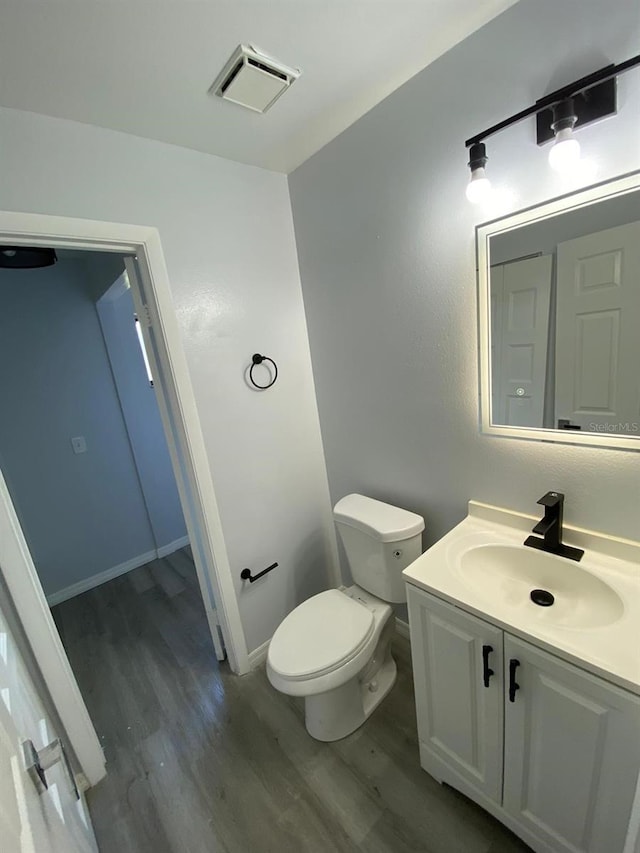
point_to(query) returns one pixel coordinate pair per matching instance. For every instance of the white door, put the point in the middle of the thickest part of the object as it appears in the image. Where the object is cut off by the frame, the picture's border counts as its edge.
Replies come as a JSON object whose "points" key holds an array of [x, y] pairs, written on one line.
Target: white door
{"points": [[598, 345], [459, 710], [187, 487], [520, 327], [572, 753], [53, 821]]}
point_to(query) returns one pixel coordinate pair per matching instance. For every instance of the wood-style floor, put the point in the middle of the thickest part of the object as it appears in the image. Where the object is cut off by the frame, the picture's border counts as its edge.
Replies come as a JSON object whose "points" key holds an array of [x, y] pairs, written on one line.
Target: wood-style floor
{"points": [[200, 760]]}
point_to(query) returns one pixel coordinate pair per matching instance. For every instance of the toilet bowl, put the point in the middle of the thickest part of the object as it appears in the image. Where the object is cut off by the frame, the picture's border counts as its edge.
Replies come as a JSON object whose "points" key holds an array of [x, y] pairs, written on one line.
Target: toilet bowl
{"points": [[334, 648]]}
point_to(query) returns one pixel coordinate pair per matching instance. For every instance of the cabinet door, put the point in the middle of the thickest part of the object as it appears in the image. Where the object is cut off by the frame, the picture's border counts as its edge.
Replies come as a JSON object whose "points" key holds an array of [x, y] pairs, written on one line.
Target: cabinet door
{"points": [[459, 719], [572, 753]]}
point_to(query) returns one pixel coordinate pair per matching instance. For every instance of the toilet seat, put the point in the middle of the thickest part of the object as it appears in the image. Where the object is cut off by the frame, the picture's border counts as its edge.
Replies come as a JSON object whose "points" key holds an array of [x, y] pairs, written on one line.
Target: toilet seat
{"points": [[320, 635]]}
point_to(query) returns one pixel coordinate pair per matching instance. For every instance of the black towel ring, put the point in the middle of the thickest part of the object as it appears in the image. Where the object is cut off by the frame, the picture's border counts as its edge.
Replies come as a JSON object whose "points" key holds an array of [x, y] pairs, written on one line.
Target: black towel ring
{"points": [[258, 359]]}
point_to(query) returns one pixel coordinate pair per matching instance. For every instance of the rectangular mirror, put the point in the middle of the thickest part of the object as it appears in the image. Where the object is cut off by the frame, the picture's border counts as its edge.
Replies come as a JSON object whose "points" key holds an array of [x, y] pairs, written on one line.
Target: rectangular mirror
{"points": [[559, 319]]}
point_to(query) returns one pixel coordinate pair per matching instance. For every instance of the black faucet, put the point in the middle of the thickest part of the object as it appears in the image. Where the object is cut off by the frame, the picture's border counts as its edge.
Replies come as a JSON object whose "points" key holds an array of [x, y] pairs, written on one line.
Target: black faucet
{"points": [[550, 528]]}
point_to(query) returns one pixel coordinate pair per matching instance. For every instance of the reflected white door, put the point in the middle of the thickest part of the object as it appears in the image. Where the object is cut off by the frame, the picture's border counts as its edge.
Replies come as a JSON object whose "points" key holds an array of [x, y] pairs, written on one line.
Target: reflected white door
{"points": [[31, 822], [520, 293], [598, 342]]}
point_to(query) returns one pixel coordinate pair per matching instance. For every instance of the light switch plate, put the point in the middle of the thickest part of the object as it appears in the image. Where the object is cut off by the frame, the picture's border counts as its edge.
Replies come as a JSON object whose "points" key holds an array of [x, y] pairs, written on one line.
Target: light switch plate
{"points": [[79, 444]]}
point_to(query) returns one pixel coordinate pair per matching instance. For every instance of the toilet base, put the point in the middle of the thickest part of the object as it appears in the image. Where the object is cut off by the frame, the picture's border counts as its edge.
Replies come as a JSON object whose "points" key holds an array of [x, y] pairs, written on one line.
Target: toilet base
{"points": [[337, 713]]}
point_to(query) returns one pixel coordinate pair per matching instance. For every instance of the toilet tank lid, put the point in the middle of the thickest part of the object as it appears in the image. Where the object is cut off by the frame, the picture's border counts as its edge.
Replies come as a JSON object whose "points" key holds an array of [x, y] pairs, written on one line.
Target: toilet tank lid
{"points": [[384, 522]]}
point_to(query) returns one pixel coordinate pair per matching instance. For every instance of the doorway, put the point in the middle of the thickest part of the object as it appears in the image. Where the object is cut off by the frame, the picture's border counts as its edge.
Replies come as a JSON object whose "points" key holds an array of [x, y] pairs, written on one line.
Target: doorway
{"points": [[82, 446], [152, 300]]}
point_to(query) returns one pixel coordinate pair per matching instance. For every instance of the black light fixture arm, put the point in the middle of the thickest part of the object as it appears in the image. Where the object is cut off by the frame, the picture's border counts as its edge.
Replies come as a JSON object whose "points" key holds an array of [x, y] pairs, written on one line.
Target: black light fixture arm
{"points": [[601, 76]]}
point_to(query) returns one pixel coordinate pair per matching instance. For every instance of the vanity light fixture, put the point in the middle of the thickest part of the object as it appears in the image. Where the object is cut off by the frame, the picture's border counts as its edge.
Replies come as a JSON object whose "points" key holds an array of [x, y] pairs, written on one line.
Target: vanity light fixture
{"points": [[557, 116], [479, 185], [565, 151]]}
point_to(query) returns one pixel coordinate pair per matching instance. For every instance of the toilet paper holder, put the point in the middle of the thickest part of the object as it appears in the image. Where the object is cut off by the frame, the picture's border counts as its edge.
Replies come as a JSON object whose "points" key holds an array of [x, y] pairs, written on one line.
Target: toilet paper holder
{"points": [[246, 575]]}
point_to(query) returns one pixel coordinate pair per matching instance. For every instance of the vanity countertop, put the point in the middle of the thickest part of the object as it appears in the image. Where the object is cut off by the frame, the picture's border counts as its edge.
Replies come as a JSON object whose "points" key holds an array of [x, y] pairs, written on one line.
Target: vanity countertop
{"points": [[609, 650]]}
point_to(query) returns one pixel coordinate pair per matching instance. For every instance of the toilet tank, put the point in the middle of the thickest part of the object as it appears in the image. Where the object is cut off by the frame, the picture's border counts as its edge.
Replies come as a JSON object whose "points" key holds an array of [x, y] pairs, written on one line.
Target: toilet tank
{"points": [[380, 541]]}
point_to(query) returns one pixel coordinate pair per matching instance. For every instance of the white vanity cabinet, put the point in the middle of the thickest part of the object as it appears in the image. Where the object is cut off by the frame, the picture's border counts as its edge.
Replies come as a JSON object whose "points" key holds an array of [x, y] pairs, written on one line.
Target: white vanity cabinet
{"points": [[552, 751], [460, 722]]}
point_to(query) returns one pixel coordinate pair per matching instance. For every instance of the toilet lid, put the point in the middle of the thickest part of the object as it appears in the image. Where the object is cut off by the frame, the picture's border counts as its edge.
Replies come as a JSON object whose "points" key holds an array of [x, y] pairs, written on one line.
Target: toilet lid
{"points": [[319, 635]]}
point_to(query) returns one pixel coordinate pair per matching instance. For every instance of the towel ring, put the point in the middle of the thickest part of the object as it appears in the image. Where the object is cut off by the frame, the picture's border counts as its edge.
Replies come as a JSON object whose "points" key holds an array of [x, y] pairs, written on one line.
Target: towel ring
{"points": [[258, 359]]}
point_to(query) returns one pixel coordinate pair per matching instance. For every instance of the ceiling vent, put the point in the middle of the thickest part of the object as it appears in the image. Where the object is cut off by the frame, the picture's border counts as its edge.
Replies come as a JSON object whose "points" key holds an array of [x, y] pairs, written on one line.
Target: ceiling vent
{"points": [[253, 80]]}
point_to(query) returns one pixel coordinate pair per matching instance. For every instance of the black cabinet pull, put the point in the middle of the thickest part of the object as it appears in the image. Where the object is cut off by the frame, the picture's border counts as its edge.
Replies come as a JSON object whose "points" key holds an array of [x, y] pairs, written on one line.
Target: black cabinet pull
{"points": [[513, 684], [486, 671]]}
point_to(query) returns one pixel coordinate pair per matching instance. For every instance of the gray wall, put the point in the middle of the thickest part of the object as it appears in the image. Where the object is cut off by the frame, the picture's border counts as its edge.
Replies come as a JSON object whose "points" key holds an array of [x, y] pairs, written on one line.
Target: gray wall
{"points": [[227, 237], [82, 514], [385, 242], [103, 269]]}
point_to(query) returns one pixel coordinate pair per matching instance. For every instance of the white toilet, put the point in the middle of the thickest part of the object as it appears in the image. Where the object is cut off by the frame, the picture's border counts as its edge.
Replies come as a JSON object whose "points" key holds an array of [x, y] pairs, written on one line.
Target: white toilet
{"points": [[333, 649]]}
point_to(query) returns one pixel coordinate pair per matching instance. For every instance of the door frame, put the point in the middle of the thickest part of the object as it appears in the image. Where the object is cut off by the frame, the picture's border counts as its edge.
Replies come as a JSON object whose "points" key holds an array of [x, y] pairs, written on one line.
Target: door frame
{"points": [[152, 297]]}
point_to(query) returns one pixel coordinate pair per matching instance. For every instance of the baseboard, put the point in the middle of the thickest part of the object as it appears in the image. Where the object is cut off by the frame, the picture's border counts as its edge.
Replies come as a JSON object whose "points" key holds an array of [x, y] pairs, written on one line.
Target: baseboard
{"points": [[402, 628], [115, 571], [176, 545], [102, 577], [258, 656]]}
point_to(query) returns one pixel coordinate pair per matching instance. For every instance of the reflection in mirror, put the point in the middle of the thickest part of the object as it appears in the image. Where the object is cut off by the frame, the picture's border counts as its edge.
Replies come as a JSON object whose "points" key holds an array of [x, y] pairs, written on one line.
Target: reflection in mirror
{"points": [[560, 335]]}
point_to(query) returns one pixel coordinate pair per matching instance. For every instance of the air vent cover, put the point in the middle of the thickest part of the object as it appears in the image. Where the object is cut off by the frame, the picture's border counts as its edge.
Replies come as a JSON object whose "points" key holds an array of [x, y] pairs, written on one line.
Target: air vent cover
{"points": [[253, 80]]}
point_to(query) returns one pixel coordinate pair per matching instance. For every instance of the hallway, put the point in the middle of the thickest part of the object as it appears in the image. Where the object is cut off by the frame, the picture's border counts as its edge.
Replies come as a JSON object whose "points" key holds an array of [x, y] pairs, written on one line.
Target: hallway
{"points": [[200, 760]]}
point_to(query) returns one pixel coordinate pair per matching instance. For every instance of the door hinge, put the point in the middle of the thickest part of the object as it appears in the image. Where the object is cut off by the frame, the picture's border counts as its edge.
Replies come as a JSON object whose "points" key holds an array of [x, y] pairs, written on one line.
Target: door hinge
{"points": [[145, 317]]}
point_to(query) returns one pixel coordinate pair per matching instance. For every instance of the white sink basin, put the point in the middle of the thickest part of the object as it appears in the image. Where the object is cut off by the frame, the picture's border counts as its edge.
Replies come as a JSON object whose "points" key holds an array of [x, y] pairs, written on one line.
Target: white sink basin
{"points": [[482, 567], [506, 575]]}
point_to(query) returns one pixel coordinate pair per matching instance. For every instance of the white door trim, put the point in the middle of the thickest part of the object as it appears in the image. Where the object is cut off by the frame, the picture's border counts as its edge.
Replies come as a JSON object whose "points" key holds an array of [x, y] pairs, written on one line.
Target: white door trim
{"points": [[186, 445]]}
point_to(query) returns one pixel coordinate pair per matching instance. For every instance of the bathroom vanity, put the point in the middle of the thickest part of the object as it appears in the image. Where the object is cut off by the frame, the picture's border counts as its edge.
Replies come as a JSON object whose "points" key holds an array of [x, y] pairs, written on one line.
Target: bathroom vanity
{"points": [[532, 711]]}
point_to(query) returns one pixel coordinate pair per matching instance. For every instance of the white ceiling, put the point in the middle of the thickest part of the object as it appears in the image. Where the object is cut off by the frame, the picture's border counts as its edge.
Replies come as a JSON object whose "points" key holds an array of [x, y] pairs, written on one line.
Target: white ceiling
{"points": [[144, 66]]}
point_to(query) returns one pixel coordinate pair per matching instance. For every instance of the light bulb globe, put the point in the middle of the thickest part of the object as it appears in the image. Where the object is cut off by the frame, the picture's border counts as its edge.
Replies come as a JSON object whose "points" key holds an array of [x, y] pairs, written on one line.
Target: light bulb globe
{"points": [[565, 152], [478, 187]]}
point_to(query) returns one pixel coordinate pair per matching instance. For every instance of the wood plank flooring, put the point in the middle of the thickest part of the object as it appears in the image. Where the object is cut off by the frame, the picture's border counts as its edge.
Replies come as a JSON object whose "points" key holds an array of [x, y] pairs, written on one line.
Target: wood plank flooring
{"points": [[201, 761]]}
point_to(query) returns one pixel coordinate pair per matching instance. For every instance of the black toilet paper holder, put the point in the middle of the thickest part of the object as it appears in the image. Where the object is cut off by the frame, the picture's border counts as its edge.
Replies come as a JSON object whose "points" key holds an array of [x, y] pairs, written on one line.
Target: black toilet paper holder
{"points": [[246, 575]]}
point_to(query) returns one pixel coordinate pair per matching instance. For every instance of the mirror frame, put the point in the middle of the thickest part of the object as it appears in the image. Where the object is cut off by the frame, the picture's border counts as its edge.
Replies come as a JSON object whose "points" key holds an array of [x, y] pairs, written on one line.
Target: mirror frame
{"points": [[571, 201]]}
